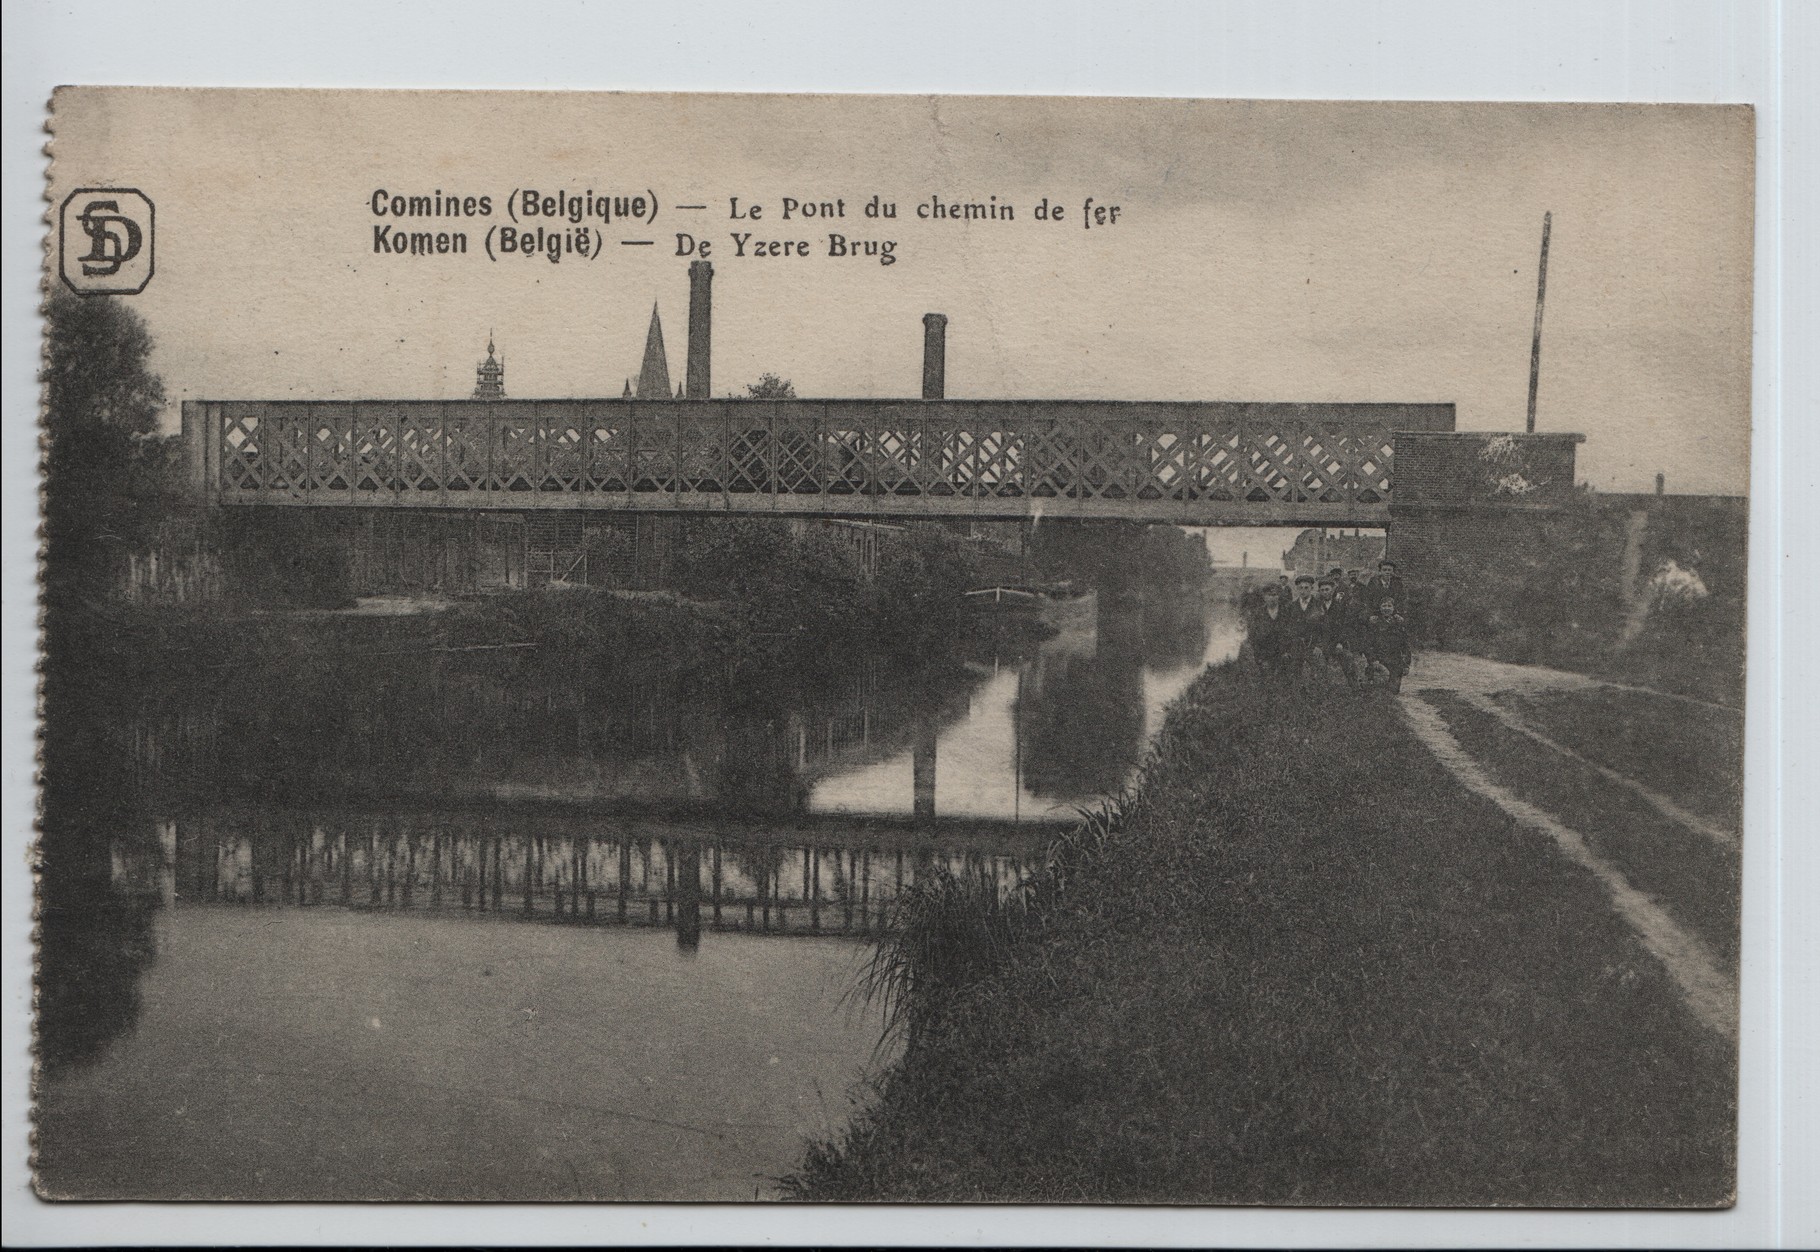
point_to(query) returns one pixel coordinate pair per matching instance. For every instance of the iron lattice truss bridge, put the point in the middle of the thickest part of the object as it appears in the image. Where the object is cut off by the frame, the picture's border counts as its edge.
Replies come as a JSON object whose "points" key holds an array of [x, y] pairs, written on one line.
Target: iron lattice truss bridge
{"points": [[1207, 463]]}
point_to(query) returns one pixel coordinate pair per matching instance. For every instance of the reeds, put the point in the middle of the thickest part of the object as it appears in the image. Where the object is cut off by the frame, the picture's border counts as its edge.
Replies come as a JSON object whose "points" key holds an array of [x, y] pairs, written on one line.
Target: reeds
{"points": [[947, 930]]}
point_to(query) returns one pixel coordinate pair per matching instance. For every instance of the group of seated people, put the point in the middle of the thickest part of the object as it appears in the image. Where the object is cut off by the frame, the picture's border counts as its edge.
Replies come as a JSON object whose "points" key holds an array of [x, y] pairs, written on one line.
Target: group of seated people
{"points": [[1345, 619]]}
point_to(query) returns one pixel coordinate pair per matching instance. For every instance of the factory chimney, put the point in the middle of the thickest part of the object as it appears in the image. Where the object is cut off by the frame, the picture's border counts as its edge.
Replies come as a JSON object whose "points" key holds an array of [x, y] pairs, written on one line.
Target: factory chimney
{"points": [[935, 356], [701, 320]]}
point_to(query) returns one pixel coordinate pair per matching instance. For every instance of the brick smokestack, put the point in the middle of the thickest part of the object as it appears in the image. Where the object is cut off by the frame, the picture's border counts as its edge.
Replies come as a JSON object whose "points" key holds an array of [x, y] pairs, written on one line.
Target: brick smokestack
{"points": [[701, 321], [935, 356]]}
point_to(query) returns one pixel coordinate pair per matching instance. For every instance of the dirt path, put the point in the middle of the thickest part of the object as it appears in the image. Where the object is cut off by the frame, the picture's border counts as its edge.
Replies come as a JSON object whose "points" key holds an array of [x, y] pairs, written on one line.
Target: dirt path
{"points": [[1456, 671], [1710, 993], [1661, 803]]}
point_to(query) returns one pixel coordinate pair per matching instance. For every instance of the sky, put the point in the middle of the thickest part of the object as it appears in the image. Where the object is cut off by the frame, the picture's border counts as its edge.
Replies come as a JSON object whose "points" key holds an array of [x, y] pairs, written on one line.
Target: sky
{"points": [[1262, 251]]}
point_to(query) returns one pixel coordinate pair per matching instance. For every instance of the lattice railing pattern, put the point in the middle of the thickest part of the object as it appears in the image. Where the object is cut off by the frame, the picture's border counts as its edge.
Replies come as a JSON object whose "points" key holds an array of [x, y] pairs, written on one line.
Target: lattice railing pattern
{"points": [[812, 457]]}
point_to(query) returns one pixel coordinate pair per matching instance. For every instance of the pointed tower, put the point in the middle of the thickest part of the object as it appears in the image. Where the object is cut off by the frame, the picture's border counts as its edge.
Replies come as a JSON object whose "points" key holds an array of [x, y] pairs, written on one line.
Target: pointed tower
{"points": [[490, 376], [654, 374]]}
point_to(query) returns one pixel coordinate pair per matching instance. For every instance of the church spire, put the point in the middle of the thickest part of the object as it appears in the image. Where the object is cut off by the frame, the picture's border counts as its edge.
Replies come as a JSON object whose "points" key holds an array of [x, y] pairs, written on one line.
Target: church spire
{"points": [[654, 375], [490, 376]]}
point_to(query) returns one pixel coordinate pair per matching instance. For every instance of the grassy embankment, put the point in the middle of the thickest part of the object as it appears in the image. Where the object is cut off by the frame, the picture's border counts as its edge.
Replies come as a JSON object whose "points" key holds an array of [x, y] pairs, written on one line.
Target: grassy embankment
{"points": [[1301, 966]]}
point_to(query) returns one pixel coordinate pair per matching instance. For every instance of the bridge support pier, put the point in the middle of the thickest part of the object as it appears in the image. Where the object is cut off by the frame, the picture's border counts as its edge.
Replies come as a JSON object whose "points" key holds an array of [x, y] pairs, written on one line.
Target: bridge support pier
{"points": [[1495, 539], [1471, 502]]}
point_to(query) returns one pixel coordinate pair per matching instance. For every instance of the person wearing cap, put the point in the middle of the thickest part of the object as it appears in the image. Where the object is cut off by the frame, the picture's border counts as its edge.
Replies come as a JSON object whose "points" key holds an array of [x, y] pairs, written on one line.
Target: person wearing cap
{"points": [[1249, 601], [1387, 583], [1333, 609], [1335, 578], [1354, 615], [1389, 644], [1266, 632], [1251, 604], [1308, 622], [1351, 593]]}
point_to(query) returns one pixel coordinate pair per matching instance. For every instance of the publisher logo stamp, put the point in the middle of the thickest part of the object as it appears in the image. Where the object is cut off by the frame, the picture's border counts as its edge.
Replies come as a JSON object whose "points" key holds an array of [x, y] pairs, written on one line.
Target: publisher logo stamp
{"points": [[106, 241]]}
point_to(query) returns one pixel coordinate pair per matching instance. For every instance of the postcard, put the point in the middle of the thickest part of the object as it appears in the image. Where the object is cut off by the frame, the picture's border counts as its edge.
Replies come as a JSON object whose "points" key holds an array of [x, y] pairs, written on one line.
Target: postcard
{"points": [[617, 647]]}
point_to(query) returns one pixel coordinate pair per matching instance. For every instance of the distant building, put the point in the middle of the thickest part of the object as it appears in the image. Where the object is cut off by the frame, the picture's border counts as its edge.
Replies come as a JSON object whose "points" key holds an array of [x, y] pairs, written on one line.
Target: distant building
{"points": [[1317, 550], [651, 383], [490, 376], [640, 551]]}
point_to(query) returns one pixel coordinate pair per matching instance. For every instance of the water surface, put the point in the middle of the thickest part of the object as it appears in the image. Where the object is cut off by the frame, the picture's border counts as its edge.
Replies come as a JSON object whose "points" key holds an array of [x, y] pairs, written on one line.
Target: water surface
{"points": [[477, 927]]}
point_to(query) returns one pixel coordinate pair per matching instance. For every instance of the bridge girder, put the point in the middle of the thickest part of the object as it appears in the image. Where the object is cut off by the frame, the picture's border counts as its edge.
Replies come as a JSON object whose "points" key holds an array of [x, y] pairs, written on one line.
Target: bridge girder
{"points": [[1205, 463]]}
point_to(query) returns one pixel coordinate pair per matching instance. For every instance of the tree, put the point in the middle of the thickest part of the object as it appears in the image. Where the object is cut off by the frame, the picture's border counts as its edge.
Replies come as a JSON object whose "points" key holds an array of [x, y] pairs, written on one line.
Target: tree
{"points": [[100, 401], [100, 395], [770, 387], [793, 445], [95, 372]]}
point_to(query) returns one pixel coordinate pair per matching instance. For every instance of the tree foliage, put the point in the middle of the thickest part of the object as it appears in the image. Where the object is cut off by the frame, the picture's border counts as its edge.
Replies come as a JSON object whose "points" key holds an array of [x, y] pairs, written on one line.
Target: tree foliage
{"points": [[104, 474], [770, 387], [100, 399], [95, 373]]}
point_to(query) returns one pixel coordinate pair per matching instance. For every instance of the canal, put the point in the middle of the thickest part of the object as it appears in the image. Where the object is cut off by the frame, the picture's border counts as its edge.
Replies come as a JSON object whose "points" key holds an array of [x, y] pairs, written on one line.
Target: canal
{"points": [[461, 924]]}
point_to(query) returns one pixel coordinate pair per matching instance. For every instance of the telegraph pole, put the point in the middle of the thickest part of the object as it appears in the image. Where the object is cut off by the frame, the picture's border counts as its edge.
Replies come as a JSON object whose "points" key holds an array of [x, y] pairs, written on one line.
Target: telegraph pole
{"points": [[1535, 344]]}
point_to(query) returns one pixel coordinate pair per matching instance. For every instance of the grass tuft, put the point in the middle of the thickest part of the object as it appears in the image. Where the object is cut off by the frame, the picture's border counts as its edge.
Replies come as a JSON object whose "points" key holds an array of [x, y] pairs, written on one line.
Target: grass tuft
{"points": [[947, 930]]}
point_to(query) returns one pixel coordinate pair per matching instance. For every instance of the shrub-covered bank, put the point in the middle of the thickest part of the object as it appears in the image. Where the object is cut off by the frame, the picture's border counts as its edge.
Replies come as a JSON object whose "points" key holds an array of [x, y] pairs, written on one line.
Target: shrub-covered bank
{"points": [[1299, 966], [1553, 593]]}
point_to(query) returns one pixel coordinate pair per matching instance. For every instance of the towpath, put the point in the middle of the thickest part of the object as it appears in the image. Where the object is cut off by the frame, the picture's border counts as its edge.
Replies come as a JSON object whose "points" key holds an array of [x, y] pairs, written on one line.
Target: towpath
{"points": [[1666, 861]]}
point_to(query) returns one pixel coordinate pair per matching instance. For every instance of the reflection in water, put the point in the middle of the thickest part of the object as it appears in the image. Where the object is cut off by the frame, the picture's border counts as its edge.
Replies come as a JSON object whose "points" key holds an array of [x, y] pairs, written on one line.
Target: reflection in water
{"points": [[1040, 736], [95, 944], [1083, 715], [428, 792], [980, 736], [554, 868]]}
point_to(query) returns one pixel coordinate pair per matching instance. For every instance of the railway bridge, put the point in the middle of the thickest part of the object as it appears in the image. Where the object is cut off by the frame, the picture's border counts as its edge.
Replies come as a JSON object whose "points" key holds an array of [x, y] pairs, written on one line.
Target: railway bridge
{"points": [[1191, 463], [1198, 463]]}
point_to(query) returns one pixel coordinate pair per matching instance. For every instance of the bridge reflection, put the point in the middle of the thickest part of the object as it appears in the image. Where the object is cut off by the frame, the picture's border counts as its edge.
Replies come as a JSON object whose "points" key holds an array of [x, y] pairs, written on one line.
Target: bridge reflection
{"points": [[820, 878]]}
